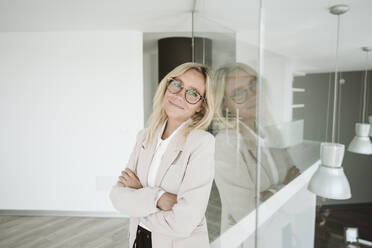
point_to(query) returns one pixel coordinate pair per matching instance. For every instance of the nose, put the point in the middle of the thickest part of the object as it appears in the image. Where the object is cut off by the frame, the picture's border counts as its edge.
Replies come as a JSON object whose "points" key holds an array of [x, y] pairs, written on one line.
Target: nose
{"points": [[181, 93]]}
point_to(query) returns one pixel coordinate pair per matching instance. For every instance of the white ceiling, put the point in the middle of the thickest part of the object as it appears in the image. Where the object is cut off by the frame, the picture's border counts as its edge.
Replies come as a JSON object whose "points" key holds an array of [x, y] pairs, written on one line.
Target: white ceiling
{"points": [[301, 30]]}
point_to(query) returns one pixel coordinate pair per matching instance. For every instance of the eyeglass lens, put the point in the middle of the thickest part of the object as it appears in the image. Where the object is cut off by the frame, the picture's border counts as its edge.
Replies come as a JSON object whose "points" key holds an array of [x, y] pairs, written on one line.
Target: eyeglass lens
{"points": [[191, 96], [241, 95]]}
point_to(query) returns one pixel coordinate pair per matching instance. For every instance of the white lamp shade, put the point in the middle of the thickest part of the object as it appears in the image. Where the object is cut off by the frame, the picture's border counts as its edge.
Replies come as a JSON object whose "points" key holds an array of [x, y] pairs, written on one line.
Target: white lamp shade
{"points": [[329, 180], [370, 124], [361, 143], [330, 183]]}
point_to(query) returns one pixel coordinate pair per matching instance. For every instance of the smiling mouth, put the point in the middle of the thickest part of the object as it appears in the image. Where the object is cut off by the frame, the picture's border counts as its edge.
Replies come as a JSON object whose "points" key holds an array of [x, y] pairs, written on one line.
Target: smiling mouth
{"points": [[177, 106]]}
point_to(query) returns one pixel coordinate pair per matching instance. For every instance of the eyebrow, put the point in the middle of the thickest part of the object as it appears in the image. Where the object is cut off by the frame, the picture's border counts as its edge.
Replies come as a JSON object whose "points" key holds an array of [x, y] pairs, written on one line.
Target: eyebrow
{"points": [[190, 86]]}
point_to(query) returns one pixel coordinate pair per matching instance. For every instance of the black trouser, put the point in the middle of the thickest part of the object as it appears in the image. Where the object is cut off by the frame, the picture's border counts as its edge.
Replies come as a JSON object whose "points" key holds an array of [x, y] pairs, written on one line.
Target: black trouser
{"points": [[143, 238]]}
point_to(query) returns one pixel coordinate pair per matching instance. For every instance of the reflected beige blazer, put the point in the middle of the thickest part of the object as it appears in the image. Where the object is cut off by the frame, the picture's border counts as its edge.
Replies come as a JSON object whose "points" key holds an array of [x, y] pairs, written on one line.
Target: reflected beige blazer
{"points": [[186, 169], [235, 175]]}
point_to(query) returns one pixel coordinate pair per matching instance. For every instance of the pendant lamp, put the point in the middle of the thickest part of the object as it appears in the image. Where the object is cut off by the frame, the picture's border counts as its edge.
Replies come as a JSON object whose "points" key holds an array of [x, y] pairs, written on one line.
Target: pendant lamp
{"points": [[361, 143], [330, 181]]}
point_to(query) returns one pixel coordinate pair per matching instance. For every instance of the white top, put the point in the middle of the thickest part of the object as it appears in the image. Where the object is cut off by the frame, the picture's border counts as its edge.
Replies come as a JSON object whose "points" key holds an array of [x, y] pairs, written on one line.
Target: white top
{"points": [[161, 147]]}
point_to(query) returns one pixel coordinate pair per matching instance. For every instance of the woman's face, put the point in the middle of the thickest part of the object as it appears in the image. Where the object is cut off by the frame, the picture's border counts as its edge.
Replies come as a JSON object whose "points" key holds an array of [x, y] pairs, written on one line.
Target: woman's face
{"points": [[175, 105], [240, 93]]}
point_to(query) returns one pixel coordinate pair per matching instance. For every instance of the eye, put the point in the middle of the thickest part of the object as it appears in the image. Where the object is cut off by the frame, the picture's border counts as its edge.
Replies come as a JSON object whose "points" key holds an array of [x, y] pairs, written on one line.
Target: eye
{"points": [[176, 83], [192, 93], [239, 92]]}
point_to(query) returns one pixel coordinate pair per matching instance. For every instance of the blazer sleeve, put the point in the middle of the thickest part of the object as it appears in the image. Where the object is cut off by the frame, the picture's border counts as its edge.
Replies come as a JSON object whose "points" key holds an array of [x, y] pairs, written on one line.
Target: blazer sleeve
{"points": [[135, 202], [193, 195]]}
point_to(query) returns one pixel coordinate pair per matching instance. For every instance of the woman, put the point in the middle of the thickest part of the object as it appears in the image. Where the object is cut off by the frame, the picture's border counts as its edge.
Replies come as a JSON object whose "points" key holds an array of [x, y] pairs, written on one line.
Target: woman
{"points": [[166, 185], [236, 145]]}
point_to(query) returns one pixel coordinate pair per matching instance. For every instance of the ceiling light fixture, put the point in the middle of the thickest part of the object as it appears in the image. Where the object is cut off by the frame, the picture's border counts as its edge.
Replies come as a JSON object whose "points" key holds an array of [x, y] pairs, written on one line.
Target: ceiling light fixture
{"points": [[329, 180], [361, 143]]}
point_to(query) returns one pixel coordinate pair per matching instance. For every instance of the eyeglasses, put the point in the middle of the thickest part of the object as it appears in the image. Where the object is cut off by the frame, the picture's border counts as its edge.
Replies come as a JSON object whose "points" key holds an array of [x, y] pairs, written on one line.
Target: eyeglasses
{"points": [[191, 96], [240, 95]]}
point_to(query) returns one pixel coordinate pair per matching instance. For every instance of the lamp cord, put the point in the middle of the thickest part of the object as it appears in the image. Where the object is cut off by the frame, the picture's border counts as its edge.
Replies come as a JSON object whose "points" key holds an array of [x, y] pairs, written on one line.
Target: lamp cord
{"points": [[361, 100], [339, 109], [328, 105], [367, 102], [365, 90], [335, 92]]}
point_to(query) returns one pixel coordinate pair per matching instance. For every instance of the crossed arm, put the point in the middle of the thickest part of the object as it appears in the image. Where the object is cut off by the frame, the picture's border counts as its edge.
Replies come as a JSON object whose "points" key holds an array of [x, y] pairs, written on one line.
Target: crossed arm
{"points": [[129, 197], [175, 217], [128, 178]]}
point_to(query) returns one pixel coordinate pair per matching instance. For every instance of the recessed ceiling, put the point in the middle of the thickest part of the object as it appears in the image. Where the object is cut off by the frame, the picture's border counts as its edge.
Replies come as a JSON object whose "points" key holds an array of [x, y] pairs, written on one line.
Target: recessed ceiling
{"points": [[301, 30]]}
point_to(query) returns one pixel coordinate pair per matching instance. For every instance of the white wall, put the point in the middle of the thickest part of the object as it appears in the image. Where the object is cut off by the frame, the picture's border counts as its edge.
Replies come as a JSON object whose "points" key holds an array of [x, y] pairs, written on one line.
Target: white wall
{"points": [[71, 104]]}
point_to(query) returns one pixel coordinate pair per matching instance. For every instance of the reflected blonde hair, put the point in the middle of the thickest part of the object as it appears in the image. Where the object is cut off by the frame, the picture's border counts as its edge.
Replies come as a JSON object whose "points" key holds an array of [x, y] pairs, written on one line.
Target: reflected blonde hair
{"points": [[226, 119], [200, 120]]}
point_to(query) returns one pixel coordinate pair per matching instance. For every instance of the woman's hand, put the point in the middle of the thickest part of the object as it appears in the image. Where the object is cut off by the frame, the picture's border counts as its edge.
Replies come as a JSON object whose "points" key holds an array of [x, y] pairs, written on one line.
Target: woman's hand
{"points": [[266, 195], [292, 173], [129, 179], [167, 201]]}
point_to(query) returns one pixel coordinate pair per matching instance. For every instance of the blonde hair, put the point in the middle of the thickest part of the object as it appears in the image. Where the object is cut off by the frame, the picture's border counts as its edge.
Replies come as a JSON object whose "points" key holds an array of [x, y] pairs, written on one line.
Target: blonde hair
{"points": [[222, 118], [200, 120]]}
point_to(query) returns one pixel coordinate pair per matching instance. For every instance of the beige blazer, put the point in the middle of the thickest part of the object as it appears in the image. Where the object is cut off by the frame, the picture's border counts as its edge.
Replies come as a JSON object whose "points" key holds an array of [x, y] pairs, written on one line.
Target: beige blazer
{"points": [[235, 175], [186, 169]]}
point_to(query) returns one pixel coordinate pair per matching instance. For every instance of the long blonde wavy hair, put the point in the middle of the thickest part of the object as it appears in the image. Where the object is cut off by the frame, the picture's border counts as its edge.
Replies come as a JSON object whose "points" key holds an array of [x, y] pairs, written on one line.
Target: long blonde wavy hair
{"points": [[200, 120]]}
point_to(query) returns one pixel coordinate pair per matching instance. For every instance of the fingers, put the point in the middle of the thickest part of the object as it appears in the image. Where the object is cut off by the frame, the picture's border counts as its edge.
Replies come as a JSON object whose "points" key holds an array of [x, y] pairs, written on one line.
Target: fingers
{"points": [[174, 197], [167, 201], [130, 179], [122, 182], [122, 179], [124, 176], [124, 173], [295, 170], [170, 197], [130, 173], [127, 173], [119, 183]]}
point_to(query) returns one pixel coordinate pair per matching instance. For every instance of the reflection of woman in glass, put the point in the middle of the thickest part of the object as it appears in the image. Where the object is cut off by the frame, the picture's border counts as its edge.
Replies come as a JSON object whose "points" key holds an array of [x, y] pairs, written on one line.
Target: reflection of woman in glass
{"points": [[236, 150], [166, 185]]}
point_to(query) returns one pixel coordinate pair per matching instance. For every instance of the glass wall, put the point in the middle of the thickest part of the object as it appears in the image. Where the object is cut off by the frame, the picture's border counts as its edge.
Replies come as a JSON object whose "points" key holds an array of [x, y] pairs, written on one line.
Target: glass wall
{"points": [[223, 52], [273, 67]]}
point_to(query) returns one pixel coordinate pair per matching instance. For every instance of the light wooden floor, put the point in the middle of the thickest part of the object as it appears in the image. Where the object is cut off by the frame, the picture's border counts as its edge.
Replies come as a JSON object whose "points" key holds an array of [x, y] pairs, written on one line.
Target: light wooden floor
{"points": [[81, 232], [53, 232]]}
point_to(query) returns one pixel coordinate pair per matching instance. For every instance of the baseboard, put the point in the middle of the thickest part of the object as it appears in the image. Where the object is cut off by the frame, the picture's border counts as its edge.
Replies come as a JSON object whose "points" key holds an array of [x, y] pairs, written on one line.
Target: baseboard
{"points": [[24, 212]]}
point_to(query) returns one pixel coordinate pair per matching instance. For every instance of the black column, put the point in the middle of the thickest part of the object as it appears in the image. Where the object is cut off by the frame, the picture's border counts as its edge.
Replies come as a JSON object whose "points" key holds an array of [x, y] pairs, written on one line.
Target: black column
{"points": [[174, 51]]}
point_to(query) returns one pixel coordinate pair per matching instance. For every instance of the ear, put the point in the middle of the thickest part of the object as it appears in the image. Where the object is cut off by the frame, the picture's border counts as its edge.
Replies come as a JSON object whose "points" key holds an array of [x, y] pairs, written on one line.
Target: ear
{"points": [[199, 108]]}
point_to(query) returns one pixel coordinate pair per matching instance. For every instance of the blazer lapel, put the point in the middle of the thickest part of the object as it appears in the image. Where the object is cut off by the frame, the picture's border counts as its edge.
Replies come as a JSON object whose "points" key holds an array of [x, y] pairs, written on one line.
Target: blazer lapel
{"points": [[146, 158], [171, 154]]}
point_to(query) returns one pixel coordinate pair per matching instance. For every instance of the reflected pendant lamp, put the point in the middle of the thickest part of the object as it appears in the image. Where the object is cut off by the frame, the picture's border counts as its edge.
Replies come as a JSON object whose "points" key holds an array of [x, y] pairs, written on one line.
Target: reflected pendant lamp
{"points": [[361, 143], [330, 181]]}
